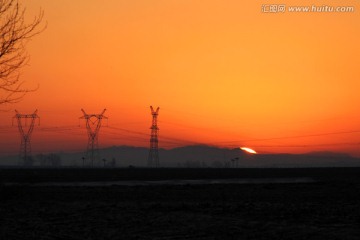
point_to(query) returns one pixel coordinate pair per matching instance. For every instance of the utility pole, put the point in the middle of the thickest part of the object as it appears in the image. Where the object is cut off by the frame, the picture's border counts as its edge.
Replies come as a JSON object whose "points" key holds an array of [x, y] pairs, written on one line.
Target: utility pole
{"points": [[235, 162], [153, 159], [25, 146], [93, 124]]}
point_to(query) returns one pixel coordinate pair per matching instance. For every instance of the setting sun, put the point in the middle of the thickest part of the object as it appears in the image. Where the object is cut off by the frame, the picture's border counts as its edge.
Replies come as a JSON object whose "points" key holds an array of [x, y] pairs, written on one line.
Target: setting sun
{"points": [[249, 150]]}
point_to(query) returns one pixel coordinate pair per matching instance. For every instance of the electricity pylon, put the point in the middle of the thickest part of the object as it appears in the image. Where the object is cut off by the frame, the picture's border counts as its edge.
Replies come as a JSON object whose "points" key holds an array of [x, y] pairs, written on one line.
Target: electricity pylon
{"points": [[153, 160], [25, 146], [93, 124]]}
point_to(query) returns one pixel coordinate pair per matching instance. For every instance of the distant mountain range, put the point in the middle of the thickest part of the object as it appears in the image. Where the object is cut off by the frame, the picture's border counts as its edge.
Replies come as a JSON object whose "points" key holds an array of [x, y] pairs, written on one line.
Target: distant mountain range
{"points": [[199, 156]]}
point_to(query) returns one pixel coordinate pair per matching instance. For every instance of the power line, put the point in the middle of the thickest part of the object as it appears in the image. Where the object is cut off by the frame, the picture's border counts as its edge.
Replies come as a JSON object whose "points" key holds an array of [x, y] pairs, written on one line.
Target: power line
{"points": [[292, 137], [309, 145]]}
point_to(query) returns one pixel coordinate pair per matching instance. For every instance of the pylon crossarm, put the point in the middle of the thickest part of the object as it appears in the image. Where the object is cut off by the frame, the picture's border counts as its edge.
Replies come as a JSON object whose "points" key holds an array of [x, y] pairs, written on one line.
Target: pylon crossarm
{"points": [[103, 112], [83, 113], [153, 112]]}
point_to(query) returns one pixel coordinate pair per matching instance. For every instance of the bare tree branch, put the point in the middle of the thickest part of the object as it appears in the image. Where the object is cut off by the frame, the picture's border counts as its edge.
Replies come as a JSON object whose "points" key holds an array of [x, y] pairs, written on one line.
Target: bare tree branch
{"points": [[14, 34]]}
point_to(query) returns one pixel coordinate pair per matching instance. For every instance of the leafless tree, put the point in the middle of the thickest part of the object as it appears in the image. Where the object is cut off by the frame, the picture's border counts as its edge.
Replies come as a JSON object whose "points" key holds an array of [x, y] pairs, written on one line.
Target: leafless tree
{"points": [[15, 32]]}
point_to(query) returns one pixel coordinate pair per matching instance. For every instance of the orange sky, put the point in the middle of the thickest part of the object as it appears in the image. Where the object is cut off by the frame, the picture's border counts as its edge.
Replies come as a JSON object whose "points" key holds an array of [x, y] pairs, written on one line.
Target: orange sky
{"points": [[222, 72]]}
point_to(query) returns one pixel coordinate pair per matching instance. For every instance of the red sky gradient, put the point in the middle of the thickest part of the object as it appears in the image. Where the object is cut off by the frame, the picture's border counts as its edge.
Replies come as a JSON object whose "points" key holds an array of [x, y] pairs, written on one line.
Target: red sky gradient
{"points": [[222, 72]]}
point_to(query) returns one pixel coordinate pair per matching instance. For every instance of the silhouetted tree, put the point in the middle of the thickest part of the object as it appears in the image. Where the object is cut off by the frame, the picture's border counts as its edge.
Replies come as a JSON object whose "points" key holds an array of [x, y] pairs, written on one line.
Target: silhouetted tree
{"points": [[192, 164], [55, 160], [42, 159], [217, 164], [28, 161], [83, 161], [113, 162], [14, 34]]}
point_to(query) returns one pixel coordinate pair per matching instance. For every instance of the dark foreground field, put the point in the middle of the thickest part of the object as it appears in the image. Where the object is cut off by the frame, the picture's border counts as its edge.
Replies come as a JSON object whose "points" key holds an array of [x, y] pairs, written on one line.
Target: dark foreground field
{"points": [[326, 209], [39, 175]]}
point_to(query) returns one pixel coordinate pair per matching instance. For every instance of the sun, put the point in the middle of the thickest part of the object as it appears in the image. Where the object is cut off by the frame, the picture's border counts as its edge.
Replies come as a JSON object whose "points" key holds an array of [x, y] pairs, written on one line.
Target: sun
{"points": [[249, 150]]}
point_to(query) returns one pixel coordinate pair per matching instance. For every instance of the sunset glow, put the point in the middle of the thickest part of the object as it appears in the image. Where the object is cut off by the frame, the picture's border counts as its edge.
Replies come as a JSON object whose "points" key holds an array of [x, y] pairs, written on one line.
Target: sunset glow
{"points": [[223, 73]]}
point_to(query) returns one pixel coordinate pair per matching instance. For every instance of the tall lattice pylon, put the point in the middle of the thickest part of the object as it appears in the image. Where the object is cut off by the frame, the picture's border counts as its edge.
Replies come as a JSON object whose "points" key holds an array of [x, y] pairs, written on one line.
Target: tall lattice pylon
{"points": [[153, 160], [93, 124], [25, 131]]}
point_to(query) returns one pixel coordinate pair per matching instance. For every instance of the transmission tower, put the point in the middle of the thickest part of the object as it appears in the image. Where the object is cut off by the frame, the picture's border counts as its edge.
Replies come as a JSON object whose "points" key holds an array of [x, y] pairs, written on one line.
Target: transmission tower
{"points": [[93, 124], [153, 160], [25, 147]]}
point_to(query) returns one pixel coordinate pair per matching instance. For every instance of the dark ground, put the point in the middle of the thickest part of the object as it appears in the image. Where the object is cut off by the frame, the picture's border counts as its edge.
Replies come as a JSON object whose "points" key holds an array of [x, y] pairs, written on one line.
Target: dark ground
{"points": [[326, 209], [36, 175]]}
